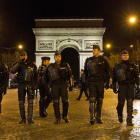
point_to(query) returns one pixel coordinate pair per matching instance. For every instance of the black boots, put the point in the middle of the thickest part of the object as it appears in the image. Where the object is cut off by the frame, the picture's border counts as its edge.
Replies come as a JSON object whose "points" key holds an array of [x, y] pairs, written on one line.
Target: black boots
{"points": [[78, 98], [65, 111], [120, 111], [56, 106], [92, 110], [47, 102], [129, 112], [22, 112], [99, 109], [30, 112], [41, 107]]}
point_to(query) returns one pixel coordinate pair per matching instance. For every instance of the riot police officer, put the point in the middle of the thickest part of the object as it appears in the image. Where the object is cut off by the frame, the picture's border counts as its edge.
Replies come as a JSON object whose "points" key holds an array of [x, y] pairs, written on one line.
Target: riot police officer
{"points": [[97, 72], [4, 76], [27, 79], [83, 86], [57, 74], [45, 95], [126, 75]]}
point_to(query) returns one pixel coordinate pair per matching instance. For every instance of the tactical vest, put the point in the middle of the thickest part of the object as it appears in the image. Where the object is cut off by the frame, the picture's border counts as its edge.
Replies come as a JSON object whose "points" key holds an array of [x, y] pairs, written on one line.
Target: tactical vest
{"points": [[124, 72], [57, 71], [95, 66], [26, 72]]}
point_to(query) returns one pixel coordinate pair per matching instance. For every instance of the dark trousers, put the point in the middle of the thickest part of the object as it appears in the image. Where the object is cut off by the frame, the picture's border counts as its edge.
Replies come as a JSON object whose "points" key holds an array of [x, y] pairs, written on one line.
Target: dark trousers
{"points": [[60, 90], [96, 89], [44, 103], [24, 88], [96, 95], [126, 92], [83, 89]]}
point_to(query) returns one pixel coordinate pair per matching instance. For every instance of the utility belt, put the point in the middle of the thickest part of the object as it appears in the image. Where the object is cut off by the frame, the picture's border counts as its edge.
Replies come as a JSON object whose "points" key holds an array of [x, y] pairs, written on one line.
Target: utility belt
{"points": [[95, 78], [20, 79], [127, 82], [59, 81]]}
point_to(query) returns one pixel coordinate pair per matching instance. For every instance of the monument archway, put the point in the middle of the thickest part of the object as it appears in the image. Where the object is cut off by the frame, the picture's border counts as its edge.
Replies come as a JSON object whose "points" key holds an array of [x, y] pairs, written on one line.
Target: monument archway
{"points": [[71, 56]]}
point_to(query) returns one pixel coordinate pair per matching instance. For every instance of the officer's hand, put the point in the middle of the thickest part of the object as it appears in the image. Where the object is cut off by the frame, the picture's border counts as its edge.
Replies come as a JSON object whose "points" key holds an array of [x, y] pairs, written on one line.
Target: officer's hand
{"points": [[114, 89], [138, 88], [70, 88], [35, 86], [4, 90]]}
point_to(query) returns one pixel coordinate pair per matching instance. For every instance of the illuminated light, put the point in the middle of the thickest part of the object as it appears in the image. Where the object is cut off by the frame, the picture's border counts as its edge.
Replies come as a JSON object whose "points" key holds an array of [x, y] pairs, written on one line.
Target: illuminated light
{"points": [[108, 45], [132, 19], [20, 46], [131, 46]]}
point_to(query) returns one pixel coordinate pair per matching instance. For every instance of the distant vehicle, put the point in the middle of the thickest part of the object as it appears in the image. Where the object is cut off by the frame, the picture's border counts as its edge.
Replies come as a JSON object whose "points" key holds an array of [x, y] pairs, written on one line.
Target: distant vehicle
{"points": [[13, 83]]}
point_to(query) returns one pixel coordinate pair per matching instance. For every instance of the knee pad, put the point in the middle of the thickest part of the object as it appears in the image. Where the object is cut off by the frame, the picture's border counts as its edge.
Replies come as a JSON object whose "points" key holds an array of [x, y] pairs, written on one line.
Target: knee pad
{"points": [[56, 101], [100, 100], [121, 102], [130, 102], [41, 99], [21, 102], [30, 101], [66, 102], [92, 99]]}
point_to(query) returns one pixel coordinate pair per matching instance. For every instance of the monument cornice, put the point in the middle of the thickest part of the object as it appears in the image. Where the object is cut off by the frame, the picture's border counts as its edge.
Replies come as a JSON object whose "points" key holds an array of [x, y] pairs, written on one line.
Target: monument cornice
{"points": [[69, 31]]}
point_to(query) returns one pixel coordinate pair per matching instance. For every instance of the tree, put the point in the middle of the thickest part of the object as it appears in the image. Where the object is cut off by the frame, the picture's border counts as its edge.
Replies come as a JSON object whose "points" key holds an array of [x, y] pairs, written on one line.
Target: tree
{"points": [[114, 58], [9, 59]]}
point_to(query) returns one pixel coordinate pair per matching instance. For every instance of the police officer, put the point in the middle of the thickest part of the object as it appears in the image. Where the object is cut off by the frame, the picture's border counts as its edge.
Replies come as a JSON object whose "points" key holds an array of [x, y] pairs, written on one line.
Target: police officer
{"points": [[45, 95], [126, 74], [83, 86], [27, 79], [57, 74], [97, 71], [4, 76]]}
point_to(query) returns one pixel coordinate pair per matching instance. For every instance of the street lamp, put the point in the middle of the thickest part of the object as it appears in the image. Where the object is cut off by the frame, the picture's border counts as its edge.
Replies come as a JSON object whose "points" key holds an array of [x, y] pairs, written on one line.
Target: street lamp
{"points": [[20, 47], [108, 45], [132, 19]]}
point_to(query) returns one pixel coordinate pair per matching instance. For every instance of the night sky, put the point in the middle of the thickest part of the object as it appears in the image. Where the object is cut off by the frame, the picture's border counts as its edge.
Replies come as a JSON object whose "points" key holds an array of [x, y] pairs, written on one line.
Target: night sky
{"points": [[17, 19]]}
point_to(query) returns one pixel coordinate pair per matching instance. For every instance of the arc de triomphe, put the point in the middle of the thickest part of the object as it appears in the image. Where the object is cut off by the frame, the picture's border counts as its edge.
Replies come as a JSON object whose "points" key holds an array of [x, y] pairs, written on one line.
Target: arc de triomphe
{"points": [[59, 34]]}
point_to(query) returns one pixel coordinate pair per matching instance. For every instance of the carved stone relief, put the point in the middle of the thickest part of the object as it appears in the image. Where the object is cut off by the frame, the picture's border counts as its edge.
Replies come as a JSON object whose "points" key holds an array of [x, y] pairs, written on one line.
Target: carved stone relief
{"points": [[46, 45]]}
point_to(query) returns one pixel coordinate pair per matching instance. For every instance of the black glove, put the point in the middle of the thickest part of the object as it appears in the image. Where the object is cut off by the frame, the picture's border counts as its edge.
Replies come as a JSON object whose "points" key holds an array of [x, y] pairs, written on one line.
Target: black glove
{"points": [[138, 88], [36, 86], [4, 90], [70, 88], [115, 89], [107, 85]]}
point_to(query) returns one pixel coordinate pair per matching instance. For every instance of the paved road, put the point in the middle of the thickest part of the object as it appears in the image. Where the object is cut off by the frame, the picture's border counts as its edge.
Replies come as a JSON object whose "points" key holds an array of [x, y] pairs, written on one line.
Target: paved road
{"points": [[79, 127]]}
